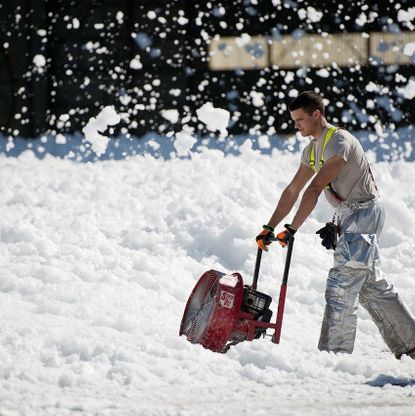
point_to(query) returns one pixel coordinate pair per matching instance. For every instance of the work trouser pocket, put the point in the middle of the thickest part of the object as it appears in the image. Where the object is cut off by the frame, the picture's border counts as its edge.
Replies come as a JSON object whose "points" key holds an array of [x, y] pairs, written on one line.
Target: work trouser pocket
{"points": [[355, 250]]}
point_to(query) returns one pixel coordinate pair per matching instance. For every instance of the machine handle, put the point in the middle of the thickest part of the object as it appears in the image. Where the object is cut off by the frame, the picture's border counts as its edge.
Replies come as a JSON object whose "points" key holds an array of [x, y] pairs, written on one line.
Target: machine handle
{"points": [[288, 260], [287, 263], [257, 266]]}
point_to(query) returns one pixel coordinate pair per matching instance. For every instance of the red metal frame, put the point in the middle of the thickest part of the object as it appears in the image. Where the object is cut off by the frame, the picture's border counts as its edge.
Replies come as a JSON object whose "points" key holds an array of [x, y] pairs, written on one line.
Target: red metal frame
{"points": [[226, 317], [247, 324]]}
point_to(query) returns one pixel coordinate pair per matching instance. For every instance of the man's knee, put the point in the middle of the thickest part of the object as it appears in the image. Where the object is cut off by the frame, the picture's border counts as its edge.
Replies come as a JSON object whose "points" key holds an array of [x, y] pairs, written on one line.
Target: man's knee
{"points": [[377, 290], [342, 290]]}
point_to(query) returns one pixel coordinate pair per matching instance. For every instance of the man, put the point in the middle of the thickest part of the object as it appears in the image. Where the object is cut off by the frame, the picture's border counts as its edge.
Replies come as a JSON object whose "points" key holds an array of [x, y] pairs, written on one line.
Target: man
{"points": [[338, 163]]}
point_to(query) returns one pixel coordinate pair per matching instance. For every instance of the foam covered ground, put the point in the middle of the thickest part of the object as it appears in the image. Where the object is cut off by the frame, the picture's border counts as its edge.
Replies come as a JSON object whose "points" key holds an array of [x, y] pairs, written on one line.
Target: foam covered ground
{"points": [[97, 262]]}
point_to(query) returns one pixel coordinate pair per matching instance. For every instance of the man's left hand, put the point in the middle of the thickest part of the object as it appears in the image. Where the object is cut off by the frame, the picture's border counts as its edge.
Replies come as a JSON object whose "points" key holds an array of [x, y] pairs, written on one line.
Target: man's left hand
{"points": [[285, 236]]}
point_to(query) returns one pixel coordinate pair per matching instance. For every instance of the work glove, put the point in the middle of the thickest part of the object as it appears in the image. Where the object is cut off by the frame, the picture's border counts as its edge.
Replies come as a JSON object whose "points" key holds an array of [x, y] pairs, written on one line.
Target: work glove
{"points": [[328, 234], [263, 239], [285, 236]]}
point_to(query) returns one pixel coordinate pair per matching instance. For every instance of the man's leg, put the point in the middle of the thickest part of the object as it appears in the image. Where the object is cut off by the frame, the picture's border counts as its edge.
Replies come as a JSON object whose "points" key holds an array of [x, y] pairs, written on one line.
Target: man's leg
{"points": [[339, 323], [390, 314], [357, 269]]}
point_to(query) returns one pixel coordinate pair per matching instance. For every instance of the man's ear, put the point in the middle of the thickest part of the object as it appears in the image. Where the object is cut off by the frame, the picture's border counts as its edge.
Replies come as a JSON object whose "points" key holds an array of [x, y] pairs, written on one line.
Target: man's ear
{"points": [[316, 114]]}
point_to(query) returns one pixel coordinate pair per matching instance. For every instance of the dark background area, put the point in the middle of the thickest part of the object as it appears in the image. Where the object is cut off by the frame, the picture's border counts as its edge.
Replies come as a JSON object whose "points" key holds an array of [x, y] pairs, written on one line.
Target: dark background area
{"points": [[88, 47]]}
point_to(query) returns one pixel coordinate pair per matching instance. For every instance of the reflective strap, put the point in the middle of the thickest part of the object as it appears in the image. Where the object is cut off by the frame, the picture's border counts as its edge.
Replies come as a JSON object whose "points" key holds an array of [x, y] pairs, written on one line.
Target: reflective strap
{"points": [[326, 139], [328, 136]]}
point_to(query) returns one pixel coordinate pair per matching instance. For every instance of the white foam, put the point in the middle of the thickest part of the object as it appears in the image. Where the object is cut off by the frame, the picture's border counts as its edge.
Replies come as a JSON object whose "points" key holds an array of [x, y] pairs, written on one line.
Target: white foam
{"points": [[229, 280], [97, 125], [184, 142], [215, 119], [99, 260]]}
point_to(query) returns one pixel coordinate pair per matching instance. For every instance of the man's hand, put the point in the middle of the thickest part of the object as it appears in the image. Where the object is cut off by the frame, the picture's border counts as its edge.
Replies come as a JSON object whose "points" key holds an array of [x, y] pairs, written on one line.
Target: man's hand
{"points": [[285, 236], [263, 239], [328, 234]]}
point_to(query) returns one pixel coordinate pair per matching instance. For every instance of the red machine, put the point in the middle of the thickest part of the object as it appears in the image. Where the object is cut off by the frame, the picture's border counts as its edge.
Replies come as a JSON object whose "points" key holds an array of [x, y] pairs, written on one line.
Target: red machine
{"points": [[222, 312]]}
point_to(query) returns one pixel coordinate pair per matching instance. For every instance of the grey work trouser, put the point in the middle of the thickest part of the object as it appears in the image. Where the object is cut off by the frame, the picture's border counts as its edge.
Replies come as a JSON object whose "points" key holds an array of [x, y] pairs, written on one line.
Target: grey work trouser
{"points": [[356, 276]]}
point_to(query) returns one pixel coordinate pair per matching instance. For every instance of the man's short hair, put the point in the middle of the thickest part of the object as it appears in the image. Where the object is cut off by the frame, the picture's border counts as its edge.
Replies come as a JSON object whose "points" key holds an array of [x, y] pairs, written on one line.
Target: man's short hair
{"points": [[309, 101]]}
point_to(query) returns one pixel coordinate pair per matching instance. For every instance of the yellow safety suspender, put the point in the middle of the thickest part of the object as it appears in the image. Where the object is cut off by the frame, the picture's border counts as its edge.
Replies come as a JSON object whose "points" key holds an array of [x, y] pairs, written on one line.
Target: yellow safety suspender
{"points": [[327, 138]]}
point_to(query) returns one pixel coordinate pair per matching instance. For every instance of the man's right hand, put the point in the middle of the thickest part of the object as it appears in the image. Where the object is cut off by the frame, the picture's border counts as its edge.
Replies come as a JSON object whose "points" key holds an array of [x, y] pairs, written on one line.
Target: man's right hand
{"points": [[328, 234], [285, 236], [263, 239]]}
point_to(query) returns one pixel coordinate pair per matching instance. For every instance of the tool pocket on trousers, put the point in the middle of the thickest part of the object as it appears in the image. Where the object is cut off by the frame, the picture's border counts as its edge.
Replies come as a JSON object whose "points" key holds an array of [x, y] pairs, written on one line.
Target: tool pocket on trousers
{"points": [[336, 294], [356, 250]]}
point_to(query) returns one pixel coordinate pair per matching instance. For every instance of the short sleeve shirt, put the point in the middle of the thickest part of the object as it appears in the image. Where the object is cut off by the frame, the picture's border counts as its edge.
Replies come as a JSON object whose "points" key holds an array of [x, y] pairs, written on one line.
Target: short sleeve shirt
{"points": [[355, 181]]}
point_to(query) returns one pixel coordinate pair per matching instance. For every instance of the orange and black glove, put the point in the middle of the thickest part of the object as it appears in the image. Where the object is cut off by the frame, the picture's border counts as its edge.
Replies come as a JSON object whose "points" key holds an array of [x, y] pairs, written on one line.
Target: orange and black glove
{"points": [[285, 236], [263, 239]]}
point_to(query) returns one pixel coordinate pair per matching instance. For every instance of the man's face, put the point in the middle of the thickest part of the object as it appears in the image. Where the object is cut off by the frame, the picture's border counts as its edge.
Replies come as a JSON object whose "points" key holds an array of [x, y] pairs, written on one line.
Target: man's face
{"points": [[305, 123]]}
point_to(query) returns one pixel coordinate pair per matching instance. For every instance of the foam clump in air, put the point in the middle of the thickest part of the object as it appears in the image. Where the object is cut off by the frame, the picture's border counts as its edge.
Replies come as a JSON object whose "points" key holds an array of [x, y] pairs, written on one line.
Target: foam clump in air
{"points": [[171, 115], [408, 91], [184, 141], [97, 125], [39, 60], [215, 119]]}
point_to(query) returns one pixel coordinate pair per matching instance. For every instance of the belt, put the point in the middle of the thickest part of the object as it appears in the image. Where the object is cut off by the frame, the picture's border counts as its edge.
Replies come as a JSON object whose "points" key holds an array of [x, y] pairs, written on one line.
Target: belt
{"points": [[360, 205]]}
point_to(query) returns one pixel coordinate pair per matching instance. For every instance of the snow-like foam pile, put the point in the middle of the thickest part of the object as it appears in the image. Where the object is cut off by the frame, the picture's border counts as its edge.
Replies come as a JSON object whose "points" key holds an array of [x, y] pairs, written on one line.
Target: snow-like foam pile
{"points": [[98, 260]]}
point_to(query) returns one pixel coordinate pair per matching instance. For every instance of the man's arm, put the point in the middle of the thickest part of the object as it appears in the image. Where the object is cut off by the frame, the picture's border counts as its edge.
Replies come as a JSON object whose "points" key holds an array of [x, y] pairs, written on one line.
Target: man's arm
{"points": [[326, 174], [290, 195]]}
